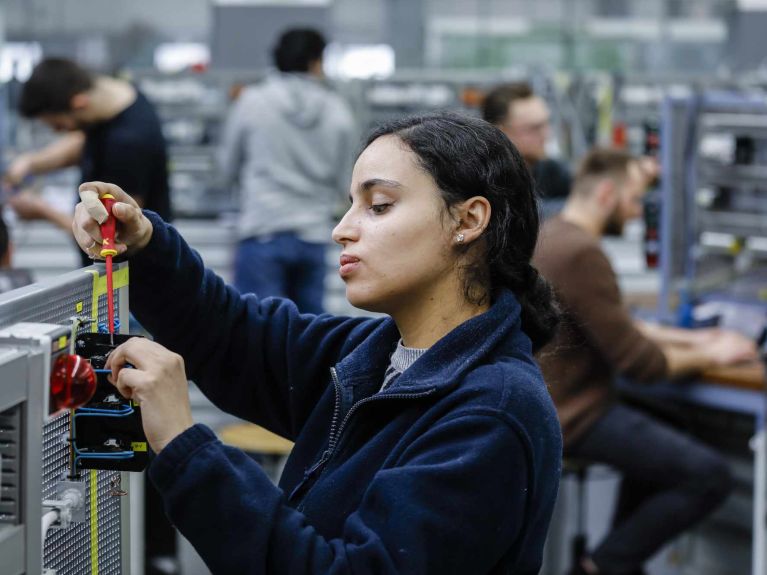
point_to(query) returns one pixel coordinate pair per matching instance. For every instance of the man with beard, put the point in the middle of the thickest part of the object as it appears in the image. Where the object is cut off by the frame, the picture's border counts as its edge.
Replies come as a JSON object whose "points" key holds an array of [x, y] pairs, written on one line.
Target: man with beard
{"points": [[670, 480], [110, 130]]}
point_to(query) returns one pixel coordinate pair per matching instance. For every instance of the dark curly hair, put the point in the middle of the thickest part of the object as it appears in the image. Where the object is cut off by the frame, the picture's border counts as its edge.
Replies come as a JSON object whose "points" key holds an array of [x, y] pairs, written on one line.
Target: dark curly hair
{"points": [[469, 157], [297, 48], [51, 87]]}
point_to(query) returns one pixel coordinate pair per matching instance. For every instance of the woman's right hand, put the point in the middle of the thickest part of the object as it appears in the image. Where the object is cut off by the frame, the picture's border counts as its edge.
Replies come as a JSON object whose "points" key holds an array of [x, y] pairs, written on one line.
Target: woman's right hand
{"points": [[134, 230]]}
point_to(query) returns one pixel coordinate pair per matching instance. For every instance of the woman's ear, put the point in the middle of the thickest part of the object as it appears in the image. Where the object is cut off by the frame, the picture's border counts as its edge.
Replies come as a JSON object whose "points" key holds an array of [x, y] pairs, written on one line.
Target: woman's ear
{"points": [[473, 216]]}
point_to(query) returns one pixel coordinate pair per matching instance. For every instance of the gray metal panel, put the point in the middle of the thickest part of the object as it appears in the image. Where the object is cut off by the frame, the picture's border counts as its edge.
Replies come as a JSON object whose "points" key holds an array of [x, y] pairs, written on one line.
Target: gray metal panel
{"points": [[745, 49], [13, 388], [68, 551], [673, 213], [12, 550], [32, 507], [405, 32], [243, 36]]}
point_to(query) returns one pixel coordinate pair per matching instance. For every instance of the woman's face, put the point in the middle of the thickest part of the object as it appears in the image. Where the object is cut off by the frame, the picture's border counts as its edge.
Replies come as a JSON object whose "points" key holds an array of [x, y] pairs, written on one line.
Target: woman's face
{"points": [[396, 239]]}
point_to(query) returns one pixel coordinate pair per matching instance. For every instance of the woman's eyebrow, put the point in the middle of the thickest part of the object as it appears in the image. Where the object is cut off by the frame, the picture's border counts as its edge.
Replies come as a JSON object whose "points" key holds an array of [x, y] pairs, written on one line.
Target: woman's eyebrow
{"points": [[367, 184], [376, 182]]}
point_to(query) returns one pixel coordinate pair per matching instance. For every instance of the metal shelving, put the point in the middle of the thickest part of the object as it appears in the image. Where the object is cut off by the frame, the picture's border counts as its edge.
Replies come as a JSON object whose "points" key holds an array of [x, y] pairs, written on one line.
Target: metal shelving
{"points": [[715, 187]]}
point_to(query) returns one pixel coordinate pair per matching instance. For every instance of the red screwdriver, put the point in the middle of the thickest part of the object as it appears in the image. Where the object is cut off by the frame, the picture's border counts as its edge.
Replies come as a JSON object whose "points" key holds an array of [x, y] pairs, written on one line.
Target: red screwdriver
{"points": [[107, 251]]}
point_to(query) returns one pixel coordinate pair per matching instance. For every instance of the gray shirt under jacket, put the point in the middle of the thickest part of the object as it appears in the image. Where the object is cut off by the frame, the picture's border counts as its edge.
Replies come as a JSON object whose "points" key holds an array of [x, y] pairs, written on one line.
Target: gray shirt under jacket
{"points": [[402, 358]]}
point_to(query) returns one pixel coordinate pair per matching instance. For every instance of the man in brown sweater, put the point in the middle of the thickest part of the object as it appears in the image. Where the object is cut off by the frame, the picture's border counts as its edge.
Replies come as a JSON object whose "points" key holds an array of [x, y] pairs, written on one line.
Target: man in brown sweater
{"points": [[670, 480]]}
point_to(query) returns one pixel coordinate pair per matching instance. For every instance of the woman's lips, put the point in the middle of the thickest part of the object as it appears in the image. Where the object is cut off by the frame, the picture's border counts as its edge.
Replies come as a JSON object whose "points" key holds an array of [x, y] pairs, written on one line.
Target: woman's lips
{"points": [[348, 265]]}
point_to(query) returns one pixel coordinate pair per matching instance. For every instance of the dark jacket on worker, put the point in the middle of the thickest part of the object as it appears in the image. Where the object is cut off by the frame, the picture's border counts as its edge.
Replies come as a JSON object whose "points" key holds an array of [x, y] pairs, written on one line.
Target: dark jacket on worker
{"points": [[454, 468]]}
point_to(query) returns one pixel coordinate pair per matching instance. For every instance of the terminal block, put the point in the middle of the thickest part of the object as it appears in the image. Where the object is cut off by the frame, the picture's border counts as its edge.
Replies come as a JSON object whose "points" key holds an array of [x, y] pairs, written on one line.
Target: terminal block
{"points": [[107, 431]]}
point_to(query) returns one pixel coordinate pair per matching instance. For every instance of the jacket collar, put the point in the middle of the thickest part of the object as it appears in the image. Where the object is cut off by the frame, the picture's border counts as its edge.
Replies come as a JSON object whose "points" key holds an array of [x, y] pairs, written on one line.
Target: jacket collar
{"points": [[361, 373]]}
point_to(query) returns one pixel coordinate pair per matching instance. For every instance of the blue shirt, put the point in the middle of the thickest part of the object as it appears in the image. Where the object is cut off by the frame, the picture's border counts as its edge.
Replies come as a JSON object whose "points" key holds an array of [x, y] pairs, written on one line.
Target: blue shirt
{"points": [[454, 468]]}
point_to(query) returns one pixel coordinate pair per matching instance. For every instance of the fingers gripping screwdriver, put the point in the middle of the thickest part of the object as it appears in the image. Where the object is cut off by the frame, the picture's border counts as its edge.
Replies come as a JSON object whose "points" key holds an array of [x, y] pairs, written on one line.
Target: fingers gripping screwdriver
{"points": [[107, 251]]}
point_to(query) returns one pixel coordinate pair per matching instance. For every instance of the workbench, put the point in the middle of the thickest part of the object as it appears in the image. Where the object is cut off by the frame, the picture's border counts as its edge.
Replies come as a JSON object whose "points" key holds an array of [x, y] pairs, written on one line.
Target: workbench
{"points": [[739, 390]]}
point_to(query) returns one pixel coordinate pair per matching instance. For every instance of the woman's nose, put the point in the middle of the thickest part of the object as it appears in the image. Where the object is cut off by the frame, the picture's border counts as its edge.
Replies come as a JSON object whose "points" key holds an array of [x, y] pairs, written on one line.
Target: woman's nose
{"points": [[346, 230]]}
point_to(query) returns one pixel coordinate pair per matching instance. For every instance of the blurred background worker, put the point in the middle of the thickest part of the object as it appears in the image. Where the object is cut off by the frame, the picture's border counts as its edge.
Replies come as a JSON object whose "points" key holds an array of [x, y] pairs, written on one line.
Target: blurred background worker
{"points": [[670, 481], [111, 131], [289, 142], [10, 277], [525, 118]]}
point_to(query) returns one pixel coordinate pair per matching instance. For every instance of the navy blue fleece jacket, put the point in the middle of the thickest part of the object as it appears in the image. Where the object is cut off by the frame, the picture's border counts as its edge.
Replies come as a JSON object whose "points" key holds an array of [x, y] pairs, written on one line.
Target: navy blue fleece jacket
{"points": [[453, 469]]}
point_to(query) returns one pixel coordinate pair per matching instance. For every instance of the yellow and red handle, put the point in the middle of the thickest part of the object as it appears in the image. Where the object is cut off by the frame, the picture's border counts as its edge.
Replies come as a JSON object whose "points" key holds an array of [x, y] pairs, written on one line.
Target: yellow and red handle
{"points": [[107, 251], [108, 228]]}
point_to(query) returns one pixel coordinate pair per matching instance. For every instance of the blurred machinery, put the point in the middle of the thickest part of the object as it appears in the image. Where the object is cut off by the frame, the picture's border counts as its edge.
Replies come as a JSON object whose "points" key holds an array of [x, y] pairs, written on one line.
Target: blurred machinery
{"points": [[713, 261], [193, 107], [714, 223]]}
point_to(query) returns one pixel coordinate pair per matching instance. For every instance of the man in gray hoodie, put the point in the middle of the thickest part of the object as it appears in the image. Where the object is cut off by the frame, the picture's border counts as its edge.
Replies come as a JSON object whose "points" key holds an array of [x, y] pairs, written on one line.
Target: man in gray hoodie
{"points": [[289, 143]]}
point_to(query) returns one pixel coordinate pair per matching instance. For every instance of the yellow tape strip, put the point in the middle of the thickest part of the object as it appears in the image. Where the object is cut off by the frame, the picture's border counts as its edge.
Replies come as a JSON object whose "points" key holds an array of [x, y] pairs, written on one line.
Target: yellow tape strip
{"points": [[120, 279], [94, 301], [94, 524]]}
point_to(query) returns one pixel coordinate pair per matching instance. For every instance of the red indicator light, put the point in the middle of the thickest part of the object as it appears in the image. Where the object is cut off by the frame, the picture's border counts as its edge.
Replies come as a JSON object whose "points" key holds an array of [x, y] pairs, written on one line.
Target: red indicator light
{"points": [[73, 382]]}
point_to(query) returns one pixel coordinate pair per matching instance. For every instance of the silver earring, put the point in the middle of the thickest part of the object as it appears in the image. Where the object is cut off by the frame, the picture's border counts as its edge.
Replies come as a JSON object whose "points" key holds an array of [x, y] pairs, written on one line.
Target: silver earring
{"points": [[459, 238]]}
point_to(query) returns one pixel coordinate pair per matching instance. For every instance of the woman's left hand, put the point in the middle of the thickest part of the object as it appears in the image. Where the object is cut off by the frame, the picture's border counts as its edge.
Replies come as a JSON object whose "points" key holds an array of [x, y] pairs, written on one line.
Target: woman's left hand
{"points": [[158, 383]]}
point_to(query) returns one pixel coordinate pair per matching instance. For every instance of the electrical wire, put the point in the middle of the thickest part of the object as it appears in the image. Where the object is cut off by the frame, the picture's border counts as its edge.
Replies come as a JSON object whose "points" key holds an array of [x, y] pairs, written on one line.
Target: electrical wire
{"points": [[103, 327], [102, 455], [125, 411], [49, 519]]}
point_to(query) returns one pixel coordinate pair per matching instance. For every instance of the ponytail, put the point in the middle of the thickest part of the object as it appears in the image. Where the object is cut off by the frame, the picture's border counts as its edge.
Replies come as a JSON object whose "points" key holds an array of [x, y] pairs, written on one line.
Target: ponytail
{"points": [[540, 311]]}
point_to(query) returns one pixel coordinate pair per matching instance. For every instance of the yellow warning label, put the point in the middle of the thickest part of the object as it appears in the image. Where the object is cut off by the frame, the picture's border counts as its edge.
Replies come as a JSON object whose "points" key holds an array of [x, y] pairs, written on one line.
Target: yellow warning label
{"points": [[62, 342], [79, 307], [138, 446]]}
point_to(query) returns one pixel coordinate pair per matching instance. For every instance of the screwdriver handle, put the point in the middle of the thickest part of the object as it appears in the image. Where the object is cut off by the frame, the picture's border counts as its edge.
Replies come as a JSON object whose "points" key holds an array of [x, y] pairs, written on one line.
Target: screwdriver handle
{"points": [[108, 228]]}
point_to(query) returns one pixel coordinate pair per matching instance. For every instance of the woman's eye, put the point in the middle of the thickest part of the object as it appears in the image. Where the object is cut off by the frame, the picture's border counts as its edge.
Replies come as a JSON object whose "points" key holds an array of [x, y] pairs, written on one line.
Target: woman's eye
{"points": [[379, 209]]}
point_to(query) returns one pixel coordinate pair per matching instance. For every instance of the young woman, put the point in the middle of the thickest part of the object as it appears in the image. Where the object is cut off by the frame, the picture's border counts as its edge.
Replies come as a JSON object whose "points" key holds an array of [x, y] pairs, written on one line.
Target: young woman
{"points": [[425, 442]]}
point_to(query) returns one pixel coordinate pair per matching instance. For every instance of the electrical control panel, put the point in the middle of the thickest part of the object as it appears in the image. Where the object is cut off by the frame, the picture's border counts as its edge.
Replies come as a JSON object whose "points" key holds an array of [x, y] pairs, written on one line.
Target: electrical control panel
{"points": [[107, 431], [90, 515]]}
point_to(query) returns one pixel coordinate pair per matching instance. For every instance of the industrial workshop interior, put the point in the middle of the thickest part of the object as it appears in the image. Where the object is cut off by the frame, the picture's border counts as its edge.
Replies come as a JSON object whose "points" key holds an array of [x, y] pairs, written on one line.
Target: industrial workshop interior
{"points": [[386, 287]]}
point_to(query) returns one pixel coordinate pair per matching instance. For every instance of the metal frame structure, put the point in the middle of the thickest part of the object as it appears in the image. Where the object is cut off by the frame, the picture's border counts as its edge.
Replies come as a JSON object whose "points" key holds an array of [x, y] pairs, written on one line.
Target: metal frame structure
{"points": [[695, 269], [100, 543]]}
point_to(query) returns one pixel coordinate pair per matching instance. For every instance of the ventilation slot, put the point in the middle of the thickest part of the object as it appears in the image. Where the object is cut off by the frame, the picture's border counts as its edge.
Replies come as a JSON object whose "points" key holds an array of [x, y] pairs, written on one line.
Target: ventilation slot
{"points": [[10, 465]]}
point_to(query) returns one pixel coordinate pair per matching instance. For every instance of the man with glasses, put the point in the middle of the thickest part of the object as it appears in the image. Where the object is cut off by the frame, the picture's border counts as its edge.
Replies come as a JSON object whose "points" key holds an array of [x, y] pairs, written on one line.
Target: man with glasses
{"points": [[525, 119]]}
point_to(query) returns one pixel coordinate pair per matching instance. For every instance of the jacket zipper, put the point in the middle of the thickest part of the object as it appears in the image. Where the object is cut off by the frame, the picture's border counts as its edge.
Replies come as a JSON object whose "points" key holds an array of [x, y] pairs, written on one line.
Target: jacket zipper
{"points": [[335, 436], [303, 484]]}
